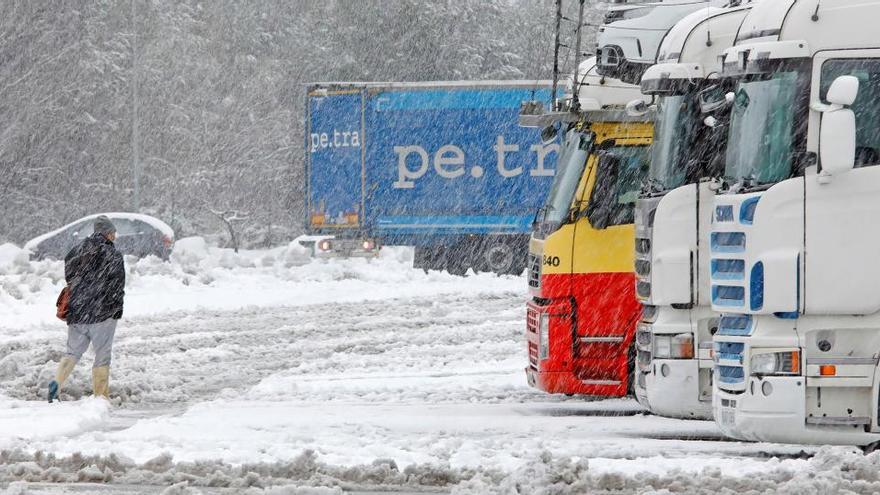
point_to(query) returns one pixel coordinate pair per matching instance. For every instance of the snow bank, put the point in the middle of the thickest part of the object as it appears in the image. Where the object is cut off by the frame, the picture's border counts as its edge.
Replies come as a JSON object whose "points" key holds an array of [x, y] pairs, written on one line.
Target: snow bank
{"points": [[11, 256], [28, 421], [831, 470], [200, 276]]}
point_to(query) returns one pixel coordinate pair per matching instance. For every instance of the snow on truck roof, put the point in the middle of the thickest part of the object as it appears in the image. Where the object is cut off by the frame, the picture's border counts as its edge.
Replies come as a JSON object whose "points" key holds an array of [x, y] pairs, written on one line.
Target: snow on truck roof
{"points": [[151, 221]]}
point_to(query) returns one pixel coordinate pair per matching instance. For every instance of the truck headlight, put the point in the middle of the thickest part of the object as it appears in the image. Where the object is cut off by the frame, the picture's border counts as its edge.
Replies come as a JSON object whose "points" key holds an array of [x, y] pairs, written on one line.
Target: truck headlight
{"points": [[679, 346], [544, 336], [325, 245], [776, 363]]}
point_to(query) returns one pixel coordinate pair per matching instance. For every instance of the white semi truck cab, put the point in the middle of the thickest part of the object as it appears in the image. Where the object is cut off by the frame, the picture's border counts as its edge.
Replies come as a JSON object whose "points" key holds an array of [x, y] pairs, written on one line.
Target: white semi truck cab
{"points": [[628, 46], [794, 246], [673, 215]]}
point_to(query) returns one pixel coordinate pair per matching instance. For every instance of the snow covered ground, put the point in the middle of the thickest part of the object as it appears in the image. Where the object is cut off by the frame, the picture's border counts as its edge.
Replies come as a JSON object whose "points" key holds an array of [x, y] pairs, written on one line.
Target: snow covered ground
{"points": [[266, 372]]}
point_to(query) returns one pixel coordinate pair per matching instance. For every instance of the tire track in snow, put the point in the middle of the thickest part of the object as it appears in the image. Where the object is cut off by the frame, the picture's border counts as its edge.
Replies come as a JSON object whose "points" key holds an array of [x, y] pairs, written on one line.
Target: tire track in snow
{"points": [[175, 359]]}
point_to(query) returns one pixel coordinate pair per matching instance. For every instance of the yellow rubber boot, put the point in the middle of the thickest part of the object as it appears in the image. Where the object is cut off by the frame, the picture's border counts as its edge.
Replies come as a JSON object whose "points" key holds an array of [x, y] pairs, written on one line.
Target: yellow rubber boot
{"points": [[101, 382], [65, 367]]}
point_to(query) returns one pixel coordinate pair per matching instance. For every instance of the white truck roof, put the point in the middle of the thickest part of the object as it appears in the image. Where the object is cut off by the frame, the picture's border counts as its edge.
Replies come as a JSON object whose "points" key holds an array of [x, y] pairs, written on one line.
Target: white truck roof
{"points": [[692, 48], [636, 41], [596, 92]]}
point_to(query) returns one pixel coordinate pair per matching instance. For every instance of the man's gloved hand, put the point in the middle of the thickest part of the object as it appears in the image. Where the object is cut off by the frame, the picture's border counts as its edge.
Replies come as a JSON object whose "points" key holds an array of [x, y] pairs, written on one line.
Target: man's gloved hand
{"points": [[118, 315]]}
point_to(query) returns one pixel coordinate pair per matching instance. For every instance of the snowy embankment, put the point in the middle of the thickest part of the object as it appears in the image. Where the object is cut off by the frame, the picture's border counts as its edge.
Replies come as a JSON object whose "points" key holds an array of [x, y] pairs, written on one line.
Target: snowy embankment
{"points": [[267, 369], [200, 277]]}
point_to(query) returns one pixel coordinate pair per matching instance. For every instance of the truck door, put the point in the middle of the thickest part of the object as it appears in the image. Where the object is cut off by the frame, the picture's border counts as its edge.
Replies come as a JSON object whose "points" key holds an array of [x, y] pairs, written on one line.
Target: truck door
{"points": [[334, 159], [841, 213], [604, 239], [841, 266]]}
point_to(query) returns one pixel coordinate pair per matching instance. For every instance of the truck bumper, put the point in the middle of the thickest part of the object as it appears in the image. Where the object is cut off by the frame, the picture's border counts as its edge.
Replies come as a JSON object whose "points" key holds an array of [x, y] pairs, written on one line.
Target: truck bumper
{"points": [[332, 255], [554, 369], [672, 389], [565, 382], [778, 416], [344, 248]]}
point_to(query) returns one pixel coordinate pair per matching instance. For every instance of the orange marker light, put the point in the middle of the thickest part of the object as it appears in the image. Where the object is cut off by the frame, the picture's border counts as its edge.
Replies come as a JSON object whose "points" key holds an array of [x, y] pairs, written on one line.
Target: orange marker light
{"points": [[827, 370]]}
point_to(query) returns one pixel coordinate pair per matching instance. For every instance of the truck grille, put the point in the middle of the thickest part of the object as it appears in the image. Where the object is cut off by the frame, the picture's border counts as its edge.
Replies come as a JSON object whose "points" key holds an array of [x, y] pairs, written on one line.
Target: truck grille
{"points": [[532, 318], [644, 360], [533, 355], [532, 321], [643, 247], [729, 369], [643, 348], [643, 268], [534, 271]]}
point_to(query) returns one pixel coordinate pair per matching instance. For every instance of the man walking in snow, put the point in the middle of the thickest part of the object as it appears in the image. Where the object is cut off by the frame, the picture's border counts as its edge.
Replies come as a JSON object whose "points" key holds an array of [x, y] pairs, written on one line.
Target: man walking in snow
{"points": [[95, 274]]}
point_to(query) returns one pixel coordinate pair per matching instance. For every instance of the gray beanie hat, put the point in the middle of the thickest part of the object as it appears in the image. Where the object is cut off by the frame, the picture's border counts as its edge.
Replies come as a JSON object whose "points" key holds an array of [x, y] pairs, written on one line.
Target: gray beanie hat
{"points": [[104, 226]]}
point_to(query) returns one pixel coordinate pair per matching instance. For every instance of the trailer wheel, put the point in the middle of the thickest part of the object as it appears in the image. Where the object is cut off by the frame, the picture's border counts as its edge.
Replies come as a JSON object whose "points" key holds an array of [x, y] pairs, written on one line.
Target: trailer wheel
{"points": [[498, 256]]}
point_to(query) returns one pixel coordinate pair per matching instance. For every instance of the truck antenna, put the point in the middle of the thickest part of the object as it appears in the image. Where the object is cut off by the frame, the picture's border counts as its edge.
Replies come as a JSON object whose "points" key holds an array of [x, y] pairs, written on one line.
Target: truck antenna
{"points": [[556, 44], [708, 25], [815, 17], [575, 102]]}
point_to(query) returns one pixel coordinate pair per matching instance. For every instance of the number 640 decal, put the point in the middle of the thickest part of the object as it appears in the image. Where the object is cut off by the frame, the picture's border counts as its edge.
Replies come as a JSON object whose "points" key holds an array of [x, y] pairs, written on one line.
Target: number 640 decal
{"points": [[551, 260]]}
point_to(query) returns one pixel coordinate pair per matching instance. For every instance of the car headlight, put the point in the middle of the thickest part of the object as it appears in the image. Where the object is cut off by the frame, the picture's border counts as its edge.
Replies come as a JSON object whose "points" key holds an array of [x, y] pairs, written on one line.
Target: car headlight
{"points": [[325, 245], [679, 346], [544, 336], [776, 363]]}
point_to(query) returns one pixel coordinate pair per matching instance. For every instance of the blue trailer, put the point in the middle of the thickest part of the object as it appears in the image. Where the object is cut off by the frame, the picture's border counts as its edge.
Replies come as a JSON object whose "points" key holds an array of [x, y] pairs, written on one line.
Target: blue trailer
{"points": [[443, 167]]}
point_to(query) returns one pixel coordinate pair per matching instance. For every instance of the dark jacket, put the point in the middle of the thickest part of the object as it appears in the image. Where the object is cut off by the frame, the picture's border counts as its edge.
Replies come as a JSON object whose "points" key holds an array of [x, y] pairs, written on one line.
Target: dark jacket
{"points": [[95, 274]]}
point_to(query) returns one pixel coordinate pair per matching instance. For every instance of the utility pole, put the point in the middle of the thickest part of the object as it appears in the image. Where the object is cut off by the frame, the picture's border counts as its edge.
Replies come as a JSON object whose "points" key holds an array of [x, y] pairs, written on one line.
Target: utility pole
{"points": [[575, 101], [135, 141], [556, 55]]}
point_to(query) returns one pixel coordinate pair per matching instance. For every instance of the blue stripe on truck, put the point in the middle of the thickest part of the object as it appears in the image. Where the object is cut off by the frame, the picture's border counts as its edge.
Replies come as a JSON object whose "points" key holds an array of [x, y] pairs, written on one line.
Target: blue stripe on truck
{"points": [[458, 223], [458, 99]]}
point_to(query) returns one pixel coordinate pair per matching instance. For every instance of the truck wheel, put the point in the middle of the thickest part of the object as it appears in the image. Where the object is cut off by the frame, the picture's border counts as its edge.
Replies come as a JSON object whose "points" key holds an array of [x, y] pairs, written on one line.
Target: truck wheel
{"points": [[499, 257]]}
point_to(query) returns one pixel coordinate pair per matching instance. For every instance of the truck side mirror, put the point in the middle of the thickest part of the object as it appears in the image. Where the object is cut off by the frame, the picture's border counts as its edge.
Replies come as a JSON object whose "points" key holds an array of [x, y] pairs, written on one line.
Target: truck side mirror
{"points": [[548, 134], [712, 98], [843, 91], [637, 108], [837, 135]]}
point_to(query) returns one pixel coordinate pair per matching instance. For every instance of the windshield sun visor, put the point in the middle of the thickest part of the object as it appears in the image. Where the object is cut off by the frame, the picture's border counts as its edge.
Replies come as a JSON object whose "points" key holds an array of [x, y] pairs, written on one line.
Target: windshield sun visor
{"points": [[671, 79], [762, 58]]}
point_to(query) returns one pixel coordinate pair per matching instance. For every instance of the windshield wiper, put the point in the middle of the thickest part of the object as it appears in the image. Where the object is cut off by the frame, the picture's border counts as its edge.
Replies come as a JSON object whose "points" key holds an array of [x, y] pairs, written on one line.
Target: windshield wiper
{"points": [[542, 215]]}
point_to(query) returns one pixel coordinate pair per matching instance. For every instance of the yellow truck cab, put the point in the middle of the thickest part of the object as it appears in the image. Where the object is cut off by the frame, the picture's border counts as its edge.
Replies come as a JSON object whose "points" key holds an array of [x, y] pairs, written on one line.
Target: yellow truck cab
{"points": [[583, 311]]}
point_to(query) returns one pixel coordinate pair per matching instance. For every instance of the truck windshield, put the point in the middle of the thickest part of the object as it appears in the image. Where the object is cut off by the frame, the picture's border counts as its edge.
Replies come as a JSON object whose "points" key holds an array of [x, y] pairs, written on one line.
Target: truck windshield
{"points": [[763, 128], [569, 170], [674, 132]]}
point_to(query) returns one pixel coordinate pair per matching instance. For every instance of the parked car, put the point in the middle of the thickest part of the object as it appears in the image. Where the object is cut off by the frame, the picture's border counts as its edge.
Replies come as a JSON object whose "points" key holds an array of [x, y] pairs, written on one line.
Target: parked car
{"points": [[136, 235]]}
